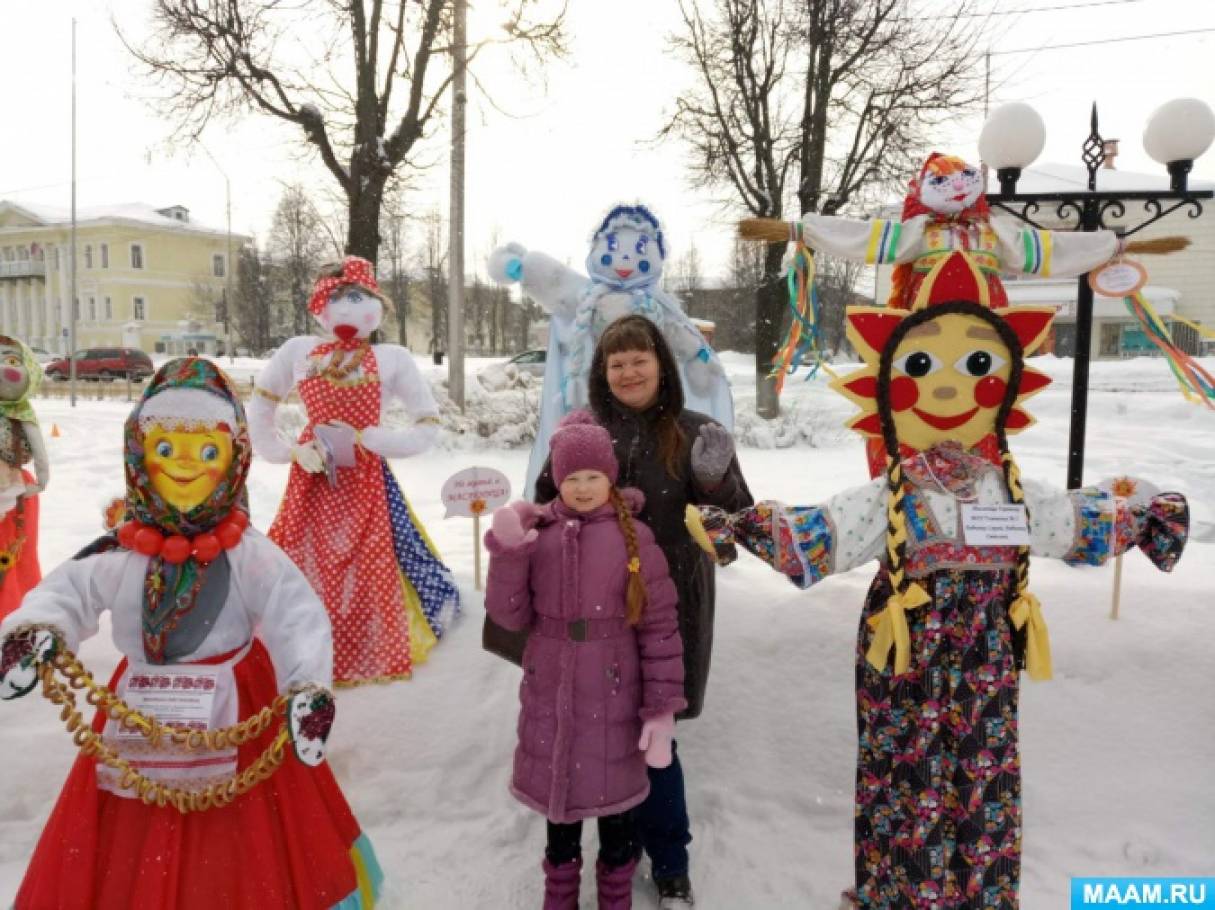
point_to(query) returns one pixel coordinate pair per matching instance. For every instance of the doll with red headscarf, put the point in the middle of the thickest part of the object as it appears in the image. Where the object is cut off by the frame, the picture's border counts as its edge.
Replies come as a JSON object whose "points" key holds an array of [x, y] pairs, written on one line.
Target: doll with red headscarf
{"points": [[344, 520]]}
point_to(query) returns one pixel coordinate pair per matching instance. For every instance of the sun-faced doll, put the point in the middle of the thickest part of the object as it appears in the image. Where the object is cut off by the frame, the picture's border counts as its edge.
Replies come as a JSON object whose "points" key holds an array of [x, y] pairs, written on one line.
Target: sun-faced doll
{"points": [[348, 526], [200, 782], [949, 619]]}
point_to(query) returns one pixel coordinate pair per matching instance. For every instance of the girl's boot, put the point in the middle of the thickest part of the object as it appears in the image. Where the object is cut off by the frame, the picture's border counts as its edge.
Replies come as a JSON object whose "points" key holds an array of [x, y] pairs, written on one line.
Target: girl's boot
{"points": [[561, 885], [615, 885]]}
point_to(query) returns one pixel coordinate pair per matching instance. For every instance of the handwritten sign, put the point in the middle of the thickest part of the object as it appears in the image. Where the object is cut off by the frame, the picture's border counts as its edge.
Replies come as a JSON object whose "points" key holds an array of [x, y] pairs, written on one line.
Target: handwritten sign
{"points": [[475, 491], [1119, 278], [995, 526]]}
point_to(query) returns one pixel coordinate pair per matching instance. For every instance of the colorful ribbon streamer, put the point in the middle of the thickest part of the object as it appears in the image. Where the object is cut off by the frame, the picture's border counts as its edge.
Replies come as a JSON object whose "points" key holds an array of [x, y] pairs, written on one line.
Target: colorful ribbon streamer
{"points": [[802, 344], [1196, 383]]}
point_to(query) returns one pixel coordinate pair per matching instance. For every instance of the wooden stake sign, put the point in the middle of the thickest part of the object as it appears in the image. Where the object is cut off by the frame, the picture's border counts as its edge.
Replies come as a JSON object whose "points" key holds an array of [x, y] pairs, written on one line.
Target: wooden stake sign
{"points": [[1135, 492], [473, 492]]}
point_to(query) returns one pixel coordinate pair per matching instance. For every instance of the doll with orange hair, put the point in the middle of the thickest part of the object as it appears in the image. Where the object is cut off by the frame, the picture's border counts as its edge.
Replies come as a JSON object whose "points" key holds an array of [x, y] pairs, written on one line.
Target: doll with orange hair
{"points": [[949, 620]]}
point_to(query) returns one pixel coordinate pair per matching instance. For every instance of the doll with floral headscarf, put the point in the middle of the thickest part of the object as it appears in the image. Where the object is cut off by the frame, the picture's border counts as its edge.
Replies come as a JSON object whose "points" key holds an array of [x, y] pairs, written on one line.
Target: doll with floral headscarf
{"points": [[344, 520], [213, 799], [21, 442], [949, 620]]}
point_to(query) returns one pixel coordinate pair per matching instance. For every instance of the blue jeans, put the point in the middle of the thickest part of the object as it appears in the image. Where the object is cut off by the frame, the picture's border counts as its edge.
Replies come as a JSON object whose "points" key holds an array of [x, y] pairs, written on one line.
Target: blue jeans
{"points": [[662, 820]]}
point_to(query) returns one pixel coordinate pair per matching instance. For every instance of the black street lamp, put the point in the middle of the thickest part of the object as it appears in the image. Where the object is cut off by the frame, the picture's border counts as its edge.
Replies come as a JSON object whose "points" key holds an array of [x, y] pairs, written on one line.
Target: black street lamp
{"points": [[1176, 134]]}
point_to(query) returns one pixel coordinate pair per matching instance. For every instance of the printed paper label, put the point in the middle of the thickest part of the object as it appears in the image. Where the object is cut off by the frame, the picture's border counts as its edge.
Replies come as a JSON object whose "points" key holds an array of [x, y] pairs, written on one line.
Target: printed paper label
{"points": [[995, 526], [178, 696]]}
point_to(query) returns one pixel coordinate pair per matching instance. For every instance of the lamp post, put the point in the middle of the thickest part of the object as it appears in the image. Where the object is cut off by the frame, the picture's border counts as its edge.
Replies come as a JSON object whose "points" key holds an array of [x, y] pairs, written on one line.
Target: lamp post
{"points": [[1013, 137]]}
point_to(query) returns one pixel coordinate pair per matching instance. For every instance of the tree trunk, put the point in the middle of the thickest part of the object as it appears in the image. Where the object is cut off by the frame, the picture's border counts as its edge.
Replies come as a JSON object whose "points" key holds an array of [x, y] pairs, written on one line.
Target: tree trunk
{"points": [[363, 234], [771, 299]]}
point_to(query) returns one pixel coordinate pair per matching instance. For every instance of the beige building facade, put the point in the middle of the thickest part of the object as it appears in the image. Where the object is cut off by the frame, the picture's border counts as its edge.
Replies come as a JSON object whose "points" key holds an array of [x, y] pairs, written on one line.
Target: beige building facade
{"points": [[146, 278]]}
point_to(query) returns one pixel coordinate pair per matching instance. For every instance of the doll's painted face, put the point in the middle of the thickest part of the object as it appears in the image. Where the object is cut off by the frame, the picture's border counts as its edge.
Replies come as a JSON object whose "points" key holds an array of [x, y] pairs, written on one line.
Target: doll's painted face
{"points": [[950, 193], [626, 254], [351, 313], [14, 378], [585, 491], [186, 467], [947, 381]]}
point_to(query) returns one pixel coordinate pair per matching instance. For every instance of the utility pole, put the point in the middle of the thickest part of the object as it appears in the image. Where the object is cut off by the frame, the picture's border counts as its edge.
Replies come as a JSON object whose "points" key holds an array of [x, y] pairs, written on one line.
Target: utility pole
{"points": [[228, 266], [455, 286], [72, 261]]}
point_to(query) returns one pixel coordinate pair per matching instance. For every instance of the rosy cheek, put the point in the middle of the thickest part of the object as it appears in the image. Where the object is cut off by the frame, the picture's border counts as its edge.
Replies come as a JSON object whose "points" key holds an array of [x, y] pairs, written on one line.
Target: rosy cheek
{"points": [[11, 375], [904, 393], [989, 391], [368, 319]]}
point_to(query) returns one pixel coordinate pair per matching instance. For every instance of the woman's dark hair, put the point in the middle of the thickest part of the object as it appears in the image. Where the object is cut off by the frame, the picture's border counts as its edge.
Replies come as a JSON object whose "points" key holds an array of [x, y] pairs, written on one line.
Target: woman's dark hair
{"points": [[636, 333]]}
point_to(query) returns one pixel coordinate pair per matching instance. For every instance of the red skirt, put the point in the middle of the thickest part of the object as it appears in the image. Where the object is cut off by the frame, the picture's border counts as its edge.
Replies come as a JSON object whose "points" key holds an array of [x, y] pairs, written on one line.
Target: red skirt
{"points": [[25, 573], [284, 845]]}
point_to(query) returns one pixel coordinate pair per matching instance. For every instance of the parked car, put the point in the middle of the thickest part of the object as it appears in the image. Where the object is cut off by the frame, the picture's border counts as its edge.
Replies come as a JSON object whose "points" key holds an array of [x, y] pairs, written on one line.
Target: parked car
{"points": [[529, 362], [43, 357], [104, 364]]}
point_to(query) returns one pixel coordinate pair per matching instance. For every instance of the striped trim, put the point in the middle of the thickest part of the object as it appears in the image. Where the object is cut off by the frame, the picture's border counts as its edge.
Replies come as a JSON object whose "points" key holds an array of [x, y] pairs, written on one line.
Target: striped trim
{"points": [[883, 241], [368, 875], [1038, 246], [267, 394]]}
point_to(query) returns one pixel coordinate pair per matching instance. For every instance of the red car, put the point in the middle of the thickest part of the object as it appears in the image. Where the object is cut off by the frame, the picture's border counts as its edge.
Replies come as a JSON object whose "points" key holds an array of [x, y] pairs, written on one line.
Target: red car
{"points": [[103, 364]]}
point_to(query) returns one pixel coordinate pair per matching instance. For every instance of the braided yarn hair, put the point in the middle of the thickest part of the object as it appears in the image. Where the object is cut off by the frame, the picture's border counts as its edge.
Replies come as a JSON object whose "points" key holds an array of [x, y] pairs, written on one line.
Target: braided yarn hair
{"points": [[636, 594], [896, 524]]}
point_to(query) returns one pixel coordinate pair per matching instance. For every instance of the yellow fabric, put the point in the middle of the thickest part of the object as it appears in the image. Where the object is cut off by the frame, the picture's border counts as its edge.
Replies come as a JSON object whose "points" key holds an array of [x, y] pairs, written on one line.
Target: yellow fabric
{"points": [[1027, 608], [875, 237], [890, 629], [691, 519], [1048, 247], [366, 890], [421, 637]]}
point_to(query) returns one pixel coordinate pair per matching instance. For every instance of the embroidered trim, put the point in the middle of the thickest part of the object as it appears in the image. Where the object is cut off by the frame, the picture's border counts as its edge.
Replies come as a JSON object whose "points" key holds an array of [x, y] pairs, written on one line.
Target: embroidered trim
{"points": [[267, 394]]}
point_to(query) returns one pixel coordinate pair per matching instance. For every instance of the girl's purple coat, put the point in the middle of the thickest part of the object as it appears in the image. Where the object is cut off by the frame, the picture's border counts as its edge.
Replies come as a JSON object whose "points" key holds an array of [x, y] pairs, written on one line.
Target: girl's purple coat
{"points": [[583, 702]]}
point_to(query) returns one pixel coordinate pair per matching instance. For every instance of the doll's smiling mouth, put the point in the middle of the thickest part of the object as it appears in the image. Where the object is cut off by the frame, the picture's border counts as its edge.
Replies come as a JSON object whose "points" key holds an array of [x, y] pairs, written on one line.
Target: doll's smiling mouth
{"points": [[184, 481], [945, 423], [345, 332], [624, 273]]}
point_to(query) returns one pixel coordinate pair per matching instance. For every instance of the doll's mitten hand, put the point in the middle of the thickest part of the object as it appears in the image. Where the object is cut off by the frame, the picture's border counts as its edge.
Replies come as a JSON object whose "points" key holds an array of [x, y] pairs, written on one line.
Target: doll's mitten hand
{"points": [[655, 742], [306, 455], [1164, 527], [21, 653], [710, 527], [310, 715], [712, 452], [508, 529], [506, 263]]}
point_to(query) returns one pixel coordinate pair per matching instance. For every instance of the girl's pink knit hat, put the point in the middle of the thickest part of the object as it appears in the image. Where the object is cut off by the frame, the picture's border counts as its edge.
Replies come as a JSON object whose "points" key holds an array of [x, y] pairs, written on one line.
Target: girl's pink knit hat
{"points": [[580, 444]]}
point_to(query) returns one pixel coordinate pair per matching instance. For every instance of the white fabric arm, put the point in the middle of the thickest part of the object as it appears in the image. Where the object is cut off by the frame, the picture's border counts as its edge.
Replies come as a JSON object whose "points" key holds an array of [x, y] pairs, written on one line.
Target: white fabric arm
{"points": [[1057, 254], [42, 465], [71, 597], [556, 287], [857, 518], [877, 240], [404, 382], [272, 387], [289, 618]]}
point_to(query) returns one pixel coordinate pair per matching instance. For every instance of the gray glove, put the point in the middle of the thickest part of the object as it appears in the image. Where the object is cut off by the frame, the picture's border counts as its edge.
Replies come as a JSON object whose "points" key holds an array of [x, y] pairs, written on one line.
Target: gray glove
{"points": [[712, 453]]}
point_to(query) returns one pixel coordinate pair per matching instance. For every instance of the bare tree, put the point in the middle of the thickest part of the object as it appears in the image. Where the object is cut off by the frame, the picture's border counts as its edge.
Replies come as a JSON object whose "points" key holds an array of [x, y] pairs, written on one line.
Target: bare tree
{"points": [[818, 99], [394, 236], [224, 58], [298, 246], [433, 266], [687, 275], [254, 299]]}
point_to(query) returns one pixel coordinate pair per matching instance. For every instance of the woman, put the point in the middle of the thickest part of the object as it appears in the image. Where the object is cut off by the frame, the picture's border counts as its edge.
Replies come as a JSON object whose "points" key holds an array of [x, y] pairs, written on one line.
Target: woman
{"points": [[676, 458]]}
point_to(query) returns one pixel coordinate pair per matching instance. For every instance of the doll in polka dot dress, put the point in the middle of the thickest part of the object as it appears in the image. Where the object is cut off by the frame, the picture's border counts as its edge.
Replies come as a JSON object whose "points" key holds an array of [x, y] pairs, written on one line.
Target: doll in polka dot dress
{"points": [[345, 521]]}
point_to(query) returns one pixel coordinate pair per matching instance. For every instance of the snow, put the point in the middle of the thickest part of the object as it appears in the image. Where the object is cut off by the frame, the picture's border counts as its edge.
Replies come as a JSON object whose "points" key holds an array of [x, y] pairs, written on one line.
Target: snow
{"points": [[1116, 749]]}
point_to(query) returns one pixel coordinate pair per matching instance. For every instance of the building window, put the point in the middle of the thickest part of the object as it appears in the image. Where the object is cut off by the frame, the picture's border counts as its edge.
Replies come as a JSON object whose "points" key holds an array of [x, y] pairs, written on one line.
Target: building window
{"points": [[92, 310], [105, 255], [137, 255], [22, 253], [88, 255], [109, 309], [138, 308], [217, 265], [76, 308]]}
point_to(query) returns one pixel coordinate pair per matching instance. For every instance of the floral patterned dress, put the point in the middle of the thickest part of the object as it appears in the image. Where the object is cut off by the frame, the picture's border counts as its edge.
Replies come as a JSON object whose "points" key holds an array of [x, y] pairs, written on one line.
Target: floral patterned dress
{"points": [[938, 780]]}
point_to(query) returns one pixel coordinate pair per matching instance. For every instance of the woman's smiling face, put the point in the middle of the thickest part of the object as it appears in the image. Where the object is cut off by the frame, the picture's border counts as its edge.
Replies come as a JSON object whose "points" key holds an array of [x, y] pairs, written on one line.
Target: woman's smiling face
{"points": [[947, 381], [633, 377], [186, 467]]}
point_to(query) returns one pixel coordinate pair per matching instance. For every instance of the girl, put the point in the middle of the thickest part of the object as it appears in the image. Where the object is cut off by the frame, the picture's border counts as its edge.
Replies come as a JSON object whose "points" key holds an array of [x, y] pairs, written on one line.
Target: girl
{"points": [[949, 620], [345, 521], [225, 641], [603, 670]]}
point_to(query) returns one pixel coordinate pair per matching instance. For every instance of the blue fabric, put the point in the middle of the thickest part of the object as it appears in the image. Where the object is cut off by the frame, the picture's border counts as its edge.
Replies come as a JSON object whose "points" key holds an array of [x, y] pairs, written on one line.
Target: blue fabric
{"points": [[430, 578], [354, 900], [662, 820]]}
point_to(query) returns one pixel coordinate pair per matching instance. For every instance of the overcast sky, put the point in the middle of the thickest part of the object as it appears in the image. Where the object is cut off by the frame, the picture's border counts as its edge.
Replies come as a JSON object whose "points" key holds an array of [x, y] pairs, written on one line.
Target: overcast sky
{"points": [[576, 144]]}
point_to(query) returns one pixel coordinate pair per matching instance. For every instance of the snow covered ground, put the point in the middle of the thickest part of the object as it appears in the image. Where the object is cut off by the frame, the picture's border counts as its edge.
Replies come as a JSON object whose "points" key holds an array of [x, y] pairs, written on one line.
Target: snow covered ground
{"points": [[1117, 750]]}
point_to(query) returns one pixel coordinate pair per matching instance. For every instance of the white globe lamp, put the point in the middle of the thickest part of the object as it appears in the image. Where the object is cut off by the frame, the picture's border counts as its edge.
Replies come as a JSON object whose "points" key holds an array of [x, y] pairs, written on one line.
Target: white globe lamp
{"points": [[1012, 139], [1177, 132]]}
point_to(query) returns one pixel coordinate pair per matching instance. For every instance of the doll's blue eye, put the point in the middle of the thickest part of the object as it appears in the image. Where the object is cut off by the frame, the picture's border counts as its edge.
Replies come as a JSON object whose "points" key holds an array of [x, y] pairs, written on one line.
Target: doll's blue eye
{"points": [[209, 453], [605, 259], [642, 243], [643, 266], [937, 181], [164, 448], [612, 243]]}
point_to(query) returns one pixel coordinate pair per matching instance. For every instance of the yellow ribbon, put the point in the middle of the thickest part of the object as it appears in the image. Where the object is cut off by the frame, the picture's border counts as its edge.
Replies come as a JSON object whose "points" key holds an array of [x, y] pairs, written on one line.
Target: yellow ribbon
{"points": [[1027, 608], [890, 629], [696, 528]]}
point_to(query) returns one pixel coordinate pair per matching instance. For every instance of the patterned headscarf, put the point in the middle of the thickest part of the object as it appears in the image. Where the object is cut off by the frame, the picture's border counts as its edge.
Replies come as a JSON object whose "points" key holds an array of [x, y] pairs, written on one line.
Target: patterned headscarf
{"points": [[20, 408], [143, 503], [356, 271]]}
